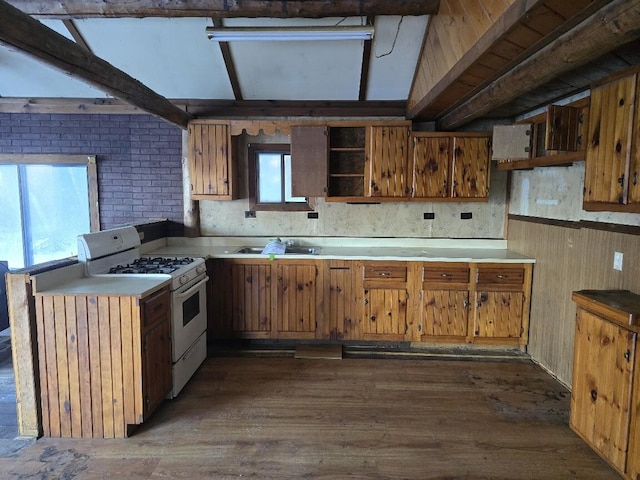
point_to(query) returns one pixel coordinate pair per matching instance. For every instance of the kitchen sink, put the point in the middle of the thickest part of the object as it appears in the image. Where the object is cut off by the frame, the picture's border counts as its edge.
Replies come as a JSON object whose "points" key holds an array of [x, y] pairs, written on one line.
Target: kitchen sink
{"points": [[290, 250]]}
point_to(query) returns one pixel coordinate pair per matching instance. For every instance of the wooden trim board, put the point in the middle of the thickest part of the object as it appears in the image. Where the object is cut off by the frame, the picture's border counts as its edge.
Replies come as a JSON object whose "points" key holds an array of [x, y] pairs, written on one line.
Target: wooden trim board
{"points": [[331, 352]]}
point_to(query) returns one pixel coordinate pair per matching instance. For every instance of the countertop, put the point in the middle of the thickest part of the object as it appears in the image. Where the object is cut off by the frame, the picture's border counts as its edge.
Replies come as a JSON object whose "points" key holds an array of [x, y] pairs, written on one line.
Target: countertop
{"points": [[426, 250]]}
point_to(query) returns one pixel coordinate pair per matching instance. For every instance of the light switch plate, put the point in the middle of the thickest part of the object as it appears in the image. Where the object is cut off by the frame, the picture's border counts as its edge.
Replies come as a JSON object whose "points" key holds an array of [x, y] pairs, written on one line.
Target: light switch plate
{"points": [[617, 261]]}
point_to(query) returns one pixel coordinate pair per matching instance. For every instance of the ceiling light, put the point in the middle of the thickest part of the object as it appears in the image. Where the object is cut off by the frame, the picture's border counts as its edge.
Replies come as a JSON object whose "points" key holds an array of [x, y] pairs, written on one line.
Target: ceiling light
{"points": [[275, 34]]}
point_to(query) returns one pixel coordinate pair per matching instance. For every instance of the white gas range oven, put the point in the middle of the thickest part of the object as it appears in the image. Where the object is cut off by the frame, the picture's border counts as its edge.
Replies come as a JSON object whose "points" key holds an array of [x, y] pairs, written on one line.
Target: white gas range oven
{"points": [[117, 252]]}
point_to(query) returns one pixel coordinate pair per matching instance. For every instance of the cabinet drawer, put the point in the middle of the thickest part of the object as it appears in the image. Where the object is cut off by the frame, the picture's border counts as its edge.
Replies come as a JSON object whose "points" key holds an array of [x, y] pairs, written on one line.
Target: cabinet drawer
{"points": [[156, 307], [385, 275], [501, 277], [445, 273]]}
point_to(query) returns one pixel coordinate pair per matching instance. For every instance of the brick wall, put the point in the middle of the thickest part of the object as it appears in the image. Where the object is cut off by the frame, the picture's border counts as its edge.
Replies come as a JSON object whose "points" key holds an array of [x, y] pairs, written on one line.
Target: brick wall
{"points": [[139, 158]]}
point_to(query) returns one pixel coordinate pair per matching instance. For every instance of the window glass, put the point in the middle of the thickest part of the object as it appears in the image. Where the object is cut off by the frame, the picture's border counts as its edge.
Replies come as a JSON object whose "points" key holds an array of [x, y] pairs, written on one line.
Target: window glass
{"points": [[269, 177], [288, 197], [56, 210], [11, 244]]}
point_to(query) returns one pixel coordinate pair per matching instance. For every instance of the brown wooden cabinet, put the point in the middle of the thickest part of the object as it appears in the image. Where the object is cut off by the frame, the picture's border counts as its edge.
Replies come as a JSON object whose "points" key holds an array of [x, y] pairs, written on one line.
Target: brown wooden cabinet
{"points": [[388, 169], [309, 153], [343, 300], [450, 165], [347, 160], [443, 301], [613, 150], [299, 304], [385, 300], [211, 166], [605, 394], [250, 290], [501, 303], [105, 362]]}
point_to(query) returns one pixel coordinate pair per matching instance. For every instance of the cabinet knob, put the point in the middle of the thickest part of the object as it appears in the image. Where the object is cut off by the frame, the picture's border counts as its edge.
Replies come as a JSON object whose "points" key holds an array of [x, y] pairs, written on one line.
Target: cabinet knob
{"points": [[627, 355]]}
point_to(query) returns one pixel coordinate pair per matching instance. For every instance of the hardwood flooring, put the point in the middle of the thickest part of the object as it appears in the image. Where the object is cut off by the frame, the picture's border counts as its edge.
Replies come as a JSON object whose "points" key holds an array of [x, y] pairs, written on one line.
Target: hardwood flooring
{"points": [[286, 418]]}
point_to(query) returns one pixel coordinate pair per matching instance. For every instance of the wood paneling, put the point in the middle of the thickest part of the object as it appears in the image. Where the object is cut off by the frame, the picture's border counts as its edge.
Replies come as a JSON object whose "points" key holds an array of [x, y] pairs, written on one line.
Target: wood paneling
{"points": [[388, 173], [568, 259]]}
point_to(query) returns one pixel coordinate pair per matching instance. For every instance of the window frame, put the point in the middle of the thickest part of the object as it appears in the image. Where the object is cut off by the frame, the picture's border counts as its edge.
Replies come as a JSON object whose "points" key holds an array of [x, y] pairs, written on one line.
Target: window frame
{"points": [[285, 149]]}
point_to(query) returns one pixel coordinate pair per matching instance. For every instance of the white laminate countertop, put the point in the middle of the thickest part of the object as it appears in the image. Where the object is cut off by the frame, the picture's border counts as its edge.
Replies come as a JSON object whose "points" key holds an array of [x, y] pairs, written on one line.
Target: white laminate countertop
{"points": [[426, 250]]}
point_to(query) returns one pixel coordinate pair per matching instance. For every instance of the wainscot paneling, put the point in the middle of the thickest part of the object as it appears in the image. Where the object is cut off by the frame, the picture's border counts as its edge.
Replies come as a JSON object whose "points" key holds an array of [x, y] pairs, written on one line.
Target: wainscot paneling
{"points": [[569, 256]]}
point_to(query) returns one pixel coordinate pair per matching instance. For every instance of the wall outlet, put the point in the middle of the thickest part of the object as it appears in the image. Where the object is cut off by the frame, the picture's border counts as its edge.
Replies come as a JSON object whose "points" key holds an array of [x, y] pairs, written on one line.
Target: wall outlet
{"points": [[617, 261]]}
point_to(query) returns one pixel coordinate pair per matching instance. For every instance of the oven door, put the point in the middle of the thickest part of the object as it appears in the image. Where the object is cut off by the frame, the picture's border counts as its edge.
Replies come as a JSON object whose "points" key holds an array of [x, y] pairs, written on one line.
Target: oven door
{"points": [[189, 315]]}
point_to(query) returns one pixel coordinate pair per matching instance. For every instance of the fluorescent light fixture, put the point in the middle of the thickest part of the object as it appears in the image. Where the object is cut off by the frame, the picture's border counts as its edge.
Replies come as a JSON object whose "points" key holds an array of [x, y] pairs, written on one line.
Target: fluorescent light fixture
{"points": [[289, 34]]}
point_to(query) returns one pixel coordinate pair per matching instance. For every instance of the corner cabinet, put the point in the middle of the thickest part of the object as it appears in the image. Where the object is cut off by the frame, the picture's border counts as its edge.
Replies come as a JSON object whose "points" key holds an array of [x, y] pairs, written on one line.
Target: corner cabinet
{"points": [[612, 165], [211, 165], [105, 362], [605, 394]]}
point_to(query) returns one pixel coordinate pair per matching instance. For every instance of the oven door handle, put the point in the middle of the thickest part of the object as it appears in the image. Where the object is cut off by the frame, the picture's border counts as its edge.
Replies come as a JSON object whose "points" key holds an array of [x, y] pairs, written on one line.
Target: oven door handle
{"points": [[193, 289]]}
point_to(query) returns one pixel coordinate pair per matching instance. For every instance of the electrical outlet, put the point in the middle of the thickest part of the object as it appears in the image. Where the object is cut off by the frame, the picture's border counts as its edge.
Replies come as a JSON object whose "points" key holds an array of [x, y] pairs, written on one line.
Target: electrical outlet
{"points": [[617, 261]]}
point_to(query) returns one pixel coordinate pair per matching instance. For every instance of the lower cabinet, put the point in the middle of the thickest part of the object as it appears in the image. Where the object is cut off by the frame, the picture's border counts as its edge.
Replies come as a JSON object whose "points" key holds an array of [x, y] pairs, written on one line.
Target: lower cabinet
{"points": [[455, 302], [105, 362], [385, 297], [605, 394]]}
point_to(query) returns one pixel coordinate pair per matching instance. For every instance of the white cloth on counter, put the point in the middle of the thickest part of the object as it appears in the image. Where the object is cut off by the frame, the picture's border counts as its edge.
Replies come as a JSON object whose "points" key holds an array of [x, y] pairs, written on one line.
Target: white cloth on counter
{"points": [[274, 247]]}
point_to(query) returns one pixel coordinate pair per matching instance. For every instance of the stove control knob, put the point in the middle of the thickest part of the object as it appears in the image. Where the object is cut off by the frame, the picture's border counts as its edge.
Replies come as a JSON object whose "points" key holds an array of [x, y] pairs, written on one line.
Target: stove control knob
{"points": [[183, 279], [201, 268]]}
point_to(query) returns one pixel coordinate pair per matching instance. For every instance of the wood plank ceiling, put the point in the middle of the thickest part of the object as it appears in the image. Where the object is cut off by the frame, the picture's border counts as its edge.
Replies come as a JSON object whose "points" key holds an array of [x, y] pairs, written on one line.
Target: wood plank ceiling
{"points": [[487, 58]]}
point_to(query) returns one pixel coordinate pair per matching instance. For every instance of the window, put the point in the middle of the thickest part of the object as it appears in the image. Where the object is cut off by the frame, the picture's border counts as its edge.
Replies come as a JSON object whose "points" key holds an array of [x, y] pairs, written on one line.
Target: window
{"points": [[47, 201], [270, 179]]}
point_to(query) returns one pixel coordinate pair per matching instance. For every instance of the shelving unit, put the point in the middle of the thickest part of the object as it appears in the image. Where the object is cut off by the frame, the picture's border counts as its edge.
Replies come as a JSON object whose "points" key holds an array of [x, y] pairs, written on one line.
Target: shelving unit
{"points": [[346, 161]]}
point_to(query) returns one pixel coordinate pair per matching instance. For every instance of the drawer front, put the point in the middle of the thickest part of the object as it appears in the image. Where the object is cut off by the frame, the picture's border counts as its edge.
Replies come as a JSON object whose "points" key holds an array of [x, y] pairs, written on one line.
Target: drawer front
{"points": [[383, 272], [507, 278], [446, 274]]}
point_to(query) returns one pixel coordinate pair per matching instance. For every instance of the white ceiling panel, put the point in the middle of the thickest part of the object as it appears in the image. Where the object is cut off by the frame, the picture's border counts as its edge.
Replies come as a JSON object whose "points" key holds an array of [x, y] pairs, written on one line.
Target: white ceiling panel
{"points": [[25, 77], [319, 70], [172, 56], [392, 65]]}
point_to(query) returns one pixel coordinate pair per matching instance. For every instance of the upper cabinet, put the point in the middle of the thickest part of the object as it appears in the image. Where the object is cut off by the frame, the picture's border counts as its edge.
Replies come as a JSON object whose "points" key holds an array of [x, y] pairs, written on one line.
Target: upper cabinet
{"points": [[388, 170], [613, 156], [211, 167], [309, 150], [451, 165]]}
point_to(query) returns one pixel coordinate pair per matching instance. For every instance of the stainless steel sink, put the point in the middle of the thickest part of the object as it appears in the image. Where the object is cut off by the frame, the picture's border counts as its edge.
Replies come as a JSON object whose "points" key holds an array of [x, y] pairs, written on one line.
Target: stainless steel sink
{"points": [[290, 250]]}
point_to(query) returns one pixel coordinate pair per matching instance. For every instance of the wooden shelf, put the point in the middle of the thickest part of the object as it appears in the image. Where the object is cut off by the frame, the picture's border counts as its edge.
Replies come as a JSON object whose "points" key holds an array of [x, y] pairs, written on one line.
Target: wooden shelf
{"points": [[566, 158]]}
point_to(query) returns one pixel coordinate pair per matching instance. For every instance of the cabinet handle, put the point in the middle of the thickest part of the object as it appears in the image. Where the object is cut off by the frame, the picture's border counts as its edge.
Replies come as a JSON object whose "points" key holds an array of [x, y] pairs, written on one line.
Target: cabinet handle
{"points": [[366, 301], [501, 276], [466, 304], [384, 274], [627, 355], [621, 179], [445, 275]]}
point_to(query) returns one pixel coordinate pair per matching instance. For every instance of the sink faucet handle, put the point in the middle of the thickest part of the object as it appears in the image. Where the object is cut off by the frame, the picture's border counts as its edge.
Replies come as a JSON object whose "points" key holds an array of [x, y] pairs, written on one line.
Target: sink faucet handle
{"points": [[290, 242]]}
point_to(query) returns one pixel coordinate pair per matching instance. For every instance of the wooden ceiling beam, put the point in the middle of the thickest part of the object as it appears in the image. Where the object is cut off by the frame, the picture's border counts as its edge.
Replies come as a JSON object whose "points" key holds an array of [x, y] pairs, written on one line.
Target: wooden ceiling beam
{"points": [[229, 64], [23, 32], [366, 60], [616, 24], [212, 108], [225, 8]]}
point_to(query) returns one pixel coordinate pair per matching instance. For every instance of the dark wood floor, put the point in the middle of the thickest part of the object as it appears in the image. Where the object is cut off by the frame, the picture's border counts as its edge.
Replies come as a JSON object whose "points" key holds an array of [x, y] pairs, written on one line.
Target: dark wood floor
{"points": [[289, 418]]}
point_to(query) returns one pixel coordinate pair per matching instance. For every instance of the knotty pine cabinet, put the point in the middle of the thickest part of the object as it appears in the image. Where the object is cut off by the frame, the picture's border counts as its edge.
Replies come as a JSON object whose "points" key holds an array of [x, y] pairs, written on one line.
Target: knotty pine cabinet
{"points": [[450, 165], [501, 295], [605, 394], [443, 301], [388, 168], [612, 164], [385, 298], [105, 362], [211, 165]]}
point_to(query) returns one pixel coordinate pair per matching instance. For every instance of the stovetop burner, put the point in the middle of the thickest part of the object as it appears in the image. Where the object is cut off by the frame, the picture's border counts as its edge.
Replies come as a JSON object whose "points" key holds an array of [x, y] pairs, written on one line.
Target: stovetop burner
{"points": [[164, 265]]}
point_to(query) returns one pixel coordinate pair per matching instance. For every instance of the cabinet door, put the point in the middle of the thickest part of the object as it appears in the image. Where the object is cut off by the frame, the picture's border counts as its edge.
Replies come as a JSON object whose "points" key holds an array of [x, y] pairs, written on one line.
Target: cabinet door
{"points": [[251, 309], [210, 163], [309, 159], [343, 311], [609, 143], [156, 365], [431, 163], [498, 314], [297, 300], [470, 170], [388, 172], [601, 386]]}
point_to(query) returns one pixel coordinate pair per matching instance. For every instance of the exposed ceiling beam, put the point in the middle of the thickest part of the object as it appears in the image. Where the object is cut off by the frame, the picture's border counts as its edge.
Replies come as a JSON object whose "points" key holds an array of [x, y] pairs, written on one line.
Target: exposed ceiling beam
{"points": [[614, 25], [228, 63], [366, 59], [75, 33], [211, 108], [225, 8], [504, 45], [35, 39]]}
